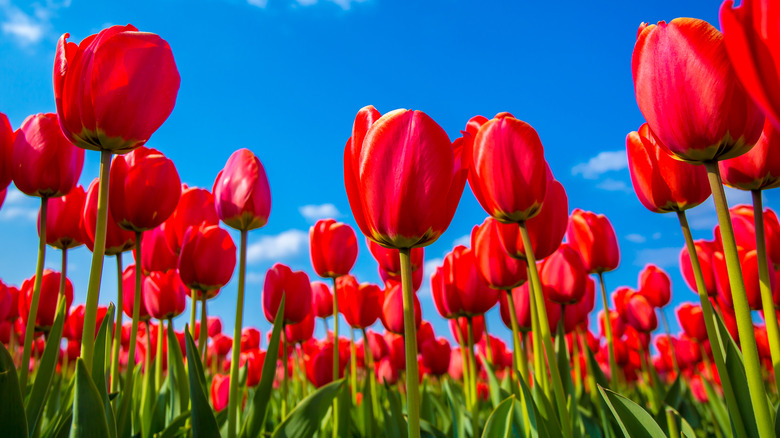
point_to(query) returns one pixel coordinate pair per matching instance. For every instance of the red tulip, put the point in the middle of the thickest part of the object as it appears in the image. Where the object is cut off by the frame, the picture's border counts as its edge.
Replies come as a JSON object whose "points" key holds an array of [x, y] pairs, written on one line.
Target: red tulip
{"points": [[616, 322], [128, 294], [64, 220], [655, 285], [250, 339], [6, 301], [220, 391], [744, 229], [13, 311], [758, 169], [389, 260], [748, 261], [377, 345], [752, 46], [74, 324], [7, 137], [689, 93], [386, 372], [424, 334], [207, 258], [461, 277], [620, 297], [157, 255], [300, 332], [546, 229], [396, 352], [242, 196], [361, 304], [333, 248], [253, 361], [213, 327], [392, 315], [322, 300], [117, 239], [661, 182], [494, 265], [445, 298], [144, 189], [45, 164], [563, 275], [640, 314], [319, 365], [281, 280], [577, 313], [403, 177], [195, 207], [417, 277], [460, 329], [115, 88], [436, 356], [508, 173], [705, 250], [47, 301], [455, 369], [163, 294], [594, 238], [691, 320], [2, 196], [522, 302]]}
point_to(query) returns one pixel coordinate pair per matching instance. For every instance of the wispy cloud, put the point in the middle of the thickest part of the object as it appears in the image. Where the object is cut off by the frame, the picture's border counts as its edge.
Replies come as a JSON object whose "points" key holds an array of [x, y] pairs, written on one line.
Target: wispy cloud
{"points": [[602, 163], [29, 27], [614, 185], [313, 213], [255, 277], [281, 246], [636, 238], [18, 206], [462, 240], [664, 257], [343, 4]]}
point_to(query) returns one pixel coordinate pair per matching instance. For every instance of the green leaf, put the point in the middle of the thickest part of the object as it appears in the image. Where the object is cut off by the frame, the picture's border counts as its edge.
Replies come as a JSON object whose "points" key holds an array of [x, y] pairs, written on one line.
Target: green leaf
{"points": [[595, 369], [527, 404], [428, 430], [173, 428], [259, 405], [46, 370], [499, 424], [177, 375], [89, 417], [305, 419], [13, 420], [458, 425], [204, 425], [99, 376], [777, 420], [736, 371], [634, 421], [396, 419], [674, 395], [367, 422], [496, 394], [563, 363]]}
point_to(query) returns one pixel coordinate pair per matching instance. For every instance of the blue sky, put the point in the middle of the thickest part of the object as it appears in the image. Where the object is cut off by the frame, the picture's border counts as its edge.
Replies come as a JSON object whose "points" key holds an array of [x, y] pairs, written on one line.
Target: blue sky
{"points": [[285, 78]]}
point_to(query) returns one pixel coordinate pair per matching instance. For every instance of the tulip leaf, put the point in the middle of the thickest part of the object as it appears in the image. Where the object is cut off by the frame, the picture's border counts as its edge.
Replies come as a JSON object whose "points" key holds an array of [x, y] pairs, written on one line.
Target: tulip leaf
{"points": [[547, 419], [366, 410], [253, 425], [674, 395], [736, 371], [305, 419], [344, 401], [458, 425], [633, 420], [496, 393], [428, 430], [173, 428], [46, 370], [526, 403], [777, 420], [13, 420], [595, 369], [499, 424], [99, 376], [563, 362], [718, 408], [396, 413], [204, 425], [89, 417], [177, 375]]}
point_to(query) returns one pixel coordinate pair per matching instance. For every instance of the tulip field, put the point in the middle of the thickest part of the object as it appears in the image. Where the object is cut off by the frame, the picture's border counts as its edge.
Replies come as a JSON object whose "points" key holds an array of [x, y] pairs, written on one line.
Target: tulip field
{"points": [[142, 366]]}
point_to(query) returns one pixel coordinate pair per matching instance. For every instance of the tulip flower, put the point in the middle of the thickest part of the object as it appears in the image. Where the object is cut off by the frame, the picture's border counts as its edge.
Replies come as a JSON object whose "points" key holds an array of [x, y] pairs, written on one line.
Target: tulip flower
{"points": [[253, 361], [594, 238], [691, 320], [424, 334], [640, 313], [117, 240], [74, 324], [6, 302], [163, 294], [494, 265], [195, 207], [300, 332], [361, 304], [460, 331], [577, 313], [7, 137], [749, 268], [390, 260], [250, 339], [417, 278], [461, 277], [322, 300], [655, 285], [157, 255], [758, 168], [333, 248], [281, 280], [436, 356], [319, 363], [386, 372], [64, 220], [220, 391], [563, 275], [128, 295], [392, 315], [242, 196], [704, 250], [207, 258], [49, 292]]}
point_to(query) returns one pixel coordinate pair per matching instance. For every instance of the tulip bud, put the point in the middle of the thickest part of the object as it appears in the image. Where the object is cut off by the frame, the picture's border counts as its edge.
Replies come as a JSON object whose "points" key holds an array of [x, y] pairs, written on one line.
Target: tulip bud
{"points": [[163, 294], [47, 301], [563, 275], [494, 265], [7, 137], [594, 238], [436, 356], [117, 239], [655, 285], [392, 315], [242, 196], [460, 275], [64, 220], [322, 300], [281, 280], [207, 258], [333, 247]]}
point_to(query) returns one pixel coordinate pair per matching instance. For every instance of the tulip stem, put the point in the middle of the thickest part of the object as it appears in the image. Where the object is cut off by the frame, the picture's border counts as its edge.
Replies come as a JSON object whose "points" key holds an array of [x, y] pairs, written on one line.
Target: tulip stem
{"points": [[768, 305], [204, 327], [613, 368], [519, 362], [544, 326], [369, 358], [665, 321], [747, 335], [488, 348], [410, 341], [194, 312], [236, 349], [540, 375], [284, 370], [98, 250], [353, 365], [473, 378], [335, 354], [464, 362], [32, 315], [136, 315], [159, 359], [117, 341]]}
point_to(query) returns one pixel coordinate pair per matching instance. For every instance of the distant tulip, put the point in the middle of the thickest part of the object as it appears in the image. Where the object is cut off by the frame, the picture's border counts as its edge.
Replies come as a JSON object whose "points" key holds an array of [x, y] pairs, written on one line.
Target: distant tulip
{"points": [[494, 265], [655, 285], [207, 258], [594, 238], [616, 321], [377, 345], [128, 294], [74, 324], [242, 196], [300, 332], [445, 298], [424, 334], [220, 391], [7, 137], [404, 160], [523, 310], [333, 247], [250, 339], [507, 169], [45, 163], [436, 356], [6, 301], [389, 259], [163, 294], [117, 239], [47, 304], [689, 93], [396, 352], [386, 372], [253, 361], [455, 369], [758, 169], [461, 277], [640, 314], [281, 280], [156, 254], [748, 261], [144, 189], [114, 89], [322, 300], [705, 250], [577, 313], [64, 220], [563, 275], [319, 366], [460, 329], [392, 315], [195, 207], [661, 182], [361, 304], [691, 320]]}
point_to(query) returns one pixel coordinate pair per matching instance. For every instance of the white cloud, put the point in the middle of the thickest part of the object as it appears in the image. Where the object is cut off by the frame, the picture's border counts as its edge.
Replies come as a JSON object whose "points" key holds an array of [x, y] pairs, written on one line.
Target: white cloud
{"points": [[12, 213], [636, 238], [343, 4], [313, 213], [28, 28], [255, 277], [258, 3], [663, 257], [14, 196], [462, 240], [656, 235], [600, 164], [430, 267], [284, 245], [614, 185]]}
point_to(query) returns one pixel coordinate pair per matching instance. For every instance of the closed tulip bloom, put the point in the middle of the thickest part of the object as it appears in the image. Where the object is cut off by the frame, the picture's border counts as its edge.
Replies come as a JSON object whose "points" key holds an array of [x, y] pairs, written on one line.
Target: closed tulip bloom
{"points": [[6, 302], [250, 339], [616, 321], [163, 294], [522, 308], [688, 92], [392, 314], [424, 334], [772, 230], [361, 304], [128, 294], [620, 297], [640, 314], [377, 345], [386, 372], [508, 172], [594, 238], [7, 137], [115, 88], [117, 239], [74, 323], [691, 320], [157, 255], [436, 356], [655, 285], [2, 196], [333, 248], [220, 391], [322, 300], [577, 313], [742, 222], [460, 329], [195, 207], [661, 182], [403, 176], [47, 304], [65, 221], [207, 258], [45, 164], [300, 332], [144, 189], [253, 361], [546, 229], [445, 298], [461, 277], [281, 280], [705, 250], [751, 42], [494, 265], [563, 275], [748, 261], [759, 168], [242, 196], [389, 259], [319, 365]]}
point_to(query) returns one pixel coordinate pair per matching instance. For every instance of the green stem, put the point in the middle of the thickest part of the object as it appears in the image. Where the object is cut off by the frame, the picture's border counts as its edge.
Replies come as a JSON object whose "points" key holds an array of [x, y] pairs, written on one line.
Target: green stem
{"points": [[158, 370], [353, 366], [613, 375], [488, 348], [99, 249], [136, 314], [540, 375], [301, 365], [370, 375], [285, 359], [194, 311], [669, 336], [747, 335], [473, 378], [410, 341], [29, 332], [544, 326], [464, 363], [235, 354], [204, 327], [772, 328], [146, 395], [519, 363], [117, 340], [335, 354]]}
